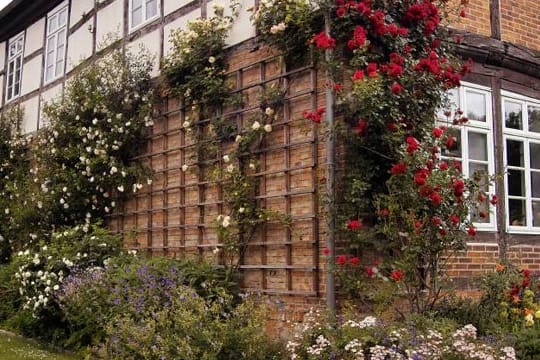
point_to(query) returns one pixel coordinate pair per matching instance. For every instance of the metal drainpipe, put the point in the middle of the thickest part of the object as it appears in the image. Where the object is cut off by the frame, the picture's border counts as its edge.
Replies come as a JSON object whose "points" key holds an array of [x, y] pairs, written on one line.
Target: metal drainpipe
{"points": [[330, 178]]}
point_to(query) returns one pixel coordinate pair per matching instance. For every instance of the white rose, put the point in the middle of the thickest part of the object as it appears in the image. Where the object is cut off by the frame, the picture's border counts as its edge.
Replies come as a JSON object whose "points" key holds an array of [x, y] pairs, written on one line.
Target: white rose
{"points": [[226, 158], [268, 128], [256, 125]]}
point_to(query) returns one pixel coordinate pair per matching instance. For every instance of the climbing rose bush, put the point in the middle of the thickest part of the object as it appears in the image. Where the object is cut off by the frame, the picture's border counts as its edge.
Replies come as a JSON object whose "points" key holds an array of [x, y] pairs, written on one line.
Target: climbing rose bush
{"points": [[84, 158]]}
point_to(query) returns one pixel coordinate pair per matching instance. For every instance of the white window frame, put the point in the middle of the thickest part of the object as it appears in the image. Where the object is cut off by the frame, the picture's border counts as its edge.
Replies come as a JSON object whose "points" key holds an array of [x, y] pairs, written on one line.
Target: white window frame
{"points": [[14, 57], [53, 35], [144, 19], [526, 137], [479, 127]]}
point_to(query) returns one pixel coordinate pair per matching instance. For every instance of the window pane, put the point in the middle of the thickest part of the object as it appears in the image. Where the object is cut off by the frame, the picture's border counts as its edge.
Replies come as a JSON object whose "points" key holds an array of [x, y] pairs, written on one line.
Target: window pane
{"points": [[513, 115], [516, 212], [514, 153], [536, 213], [137, 17], [534, 118], [151, 8], [455, 150], [53, 24], [535, 184], [477, 146], [534, 155], [61, 38], [62, 18], [480, 170], [516, 183], [49, 73], [476, 106], [481, 215]]}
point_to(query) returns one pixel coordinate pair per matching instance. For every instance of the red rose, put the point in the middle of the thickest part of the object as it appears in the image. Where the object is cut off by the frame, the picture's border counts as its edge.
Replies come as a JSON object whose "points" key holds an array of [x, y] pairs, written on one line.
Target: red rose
{"points": [[338, 87], [384, 212], [341, 11], [370, 271], [396, 58], [482, 214], [326, 251], [361, 127], [443, 165], [526, 272], [443, 232], [463, 13], [459, 187], [437, 132], [358, 75], [354, 225], [436, 220], [450, 142], [398, 168], [421, 175], [418, 224], [454, 219], [397, 275], [494, 200], [323, 41], [396, 88], [471, 231], [341, 260], [412, 144], [354, 261], [371, 69], [435, 198]]}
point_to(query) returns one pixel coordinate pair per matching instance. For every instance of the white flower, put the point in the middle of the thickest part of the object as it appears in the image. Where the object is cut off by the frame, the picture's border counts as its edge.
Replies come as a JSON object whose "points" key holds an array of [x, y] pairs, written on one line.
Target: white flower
{"points": [[121, 188], [216, 250], [278, 28], [186, 124], [252, 166], [184, 167], [56, 287], [256, 125], [238, 138], [114, 170], [241, 210], [226, 158], [226, 221], [268, 128], [211, 59], [269, 111], [230, 168]]}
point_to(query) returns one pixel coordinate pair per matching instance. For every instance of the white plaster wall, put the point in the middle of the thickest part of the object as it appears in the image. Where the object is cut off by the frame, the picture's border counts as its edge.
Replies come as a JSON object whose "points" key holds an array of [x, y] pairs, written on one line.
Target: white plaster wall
{"points": [[34, 37], [1, 89], [171, 5], [53, 94], [242, 29], [30, 119], [78, 9], [151, 42], [79, 46], [110, 21], [180, 23], [3, 54], [31, 75]]}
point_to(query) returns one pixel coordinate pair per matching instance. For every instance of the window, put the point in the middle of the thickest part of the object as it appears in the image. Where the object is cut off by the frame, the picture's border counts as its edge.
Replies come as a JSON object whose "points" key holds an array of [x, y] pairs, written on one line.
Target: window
{"points": [[55, 46], [474, 142], [141, 11], [522, 162], [14, 67]]}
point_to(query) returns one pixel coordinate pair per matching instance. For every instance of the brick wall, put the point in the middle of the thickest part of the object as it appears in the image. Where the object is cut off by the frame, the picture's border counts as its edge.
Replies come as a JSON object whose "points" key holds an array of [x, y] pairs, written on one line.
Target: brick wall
{"points": [[519, 20]]}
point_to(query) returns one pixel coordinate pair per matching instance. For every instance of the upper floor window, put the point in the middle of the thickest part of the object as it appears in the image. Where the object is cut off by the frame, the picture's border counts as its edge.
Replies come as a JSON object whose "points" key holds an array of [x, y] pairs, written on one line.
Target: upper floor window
{"points": [[141, 11], [55, 46], [522, 162], [473, 147], [14, 68]]}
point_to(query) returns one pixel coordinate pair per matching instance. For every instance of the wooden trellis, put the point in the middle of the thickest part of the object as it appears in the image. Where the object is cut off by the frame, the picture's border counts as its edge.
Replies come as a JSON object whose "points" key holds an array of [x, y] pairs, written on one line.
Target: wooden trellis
{"points": [[174, 216]]}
